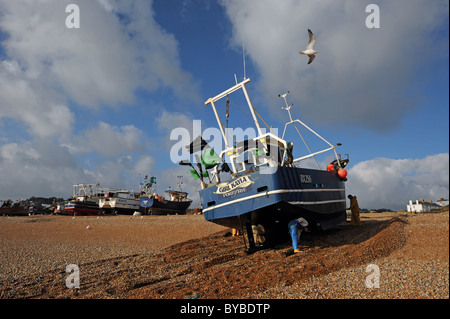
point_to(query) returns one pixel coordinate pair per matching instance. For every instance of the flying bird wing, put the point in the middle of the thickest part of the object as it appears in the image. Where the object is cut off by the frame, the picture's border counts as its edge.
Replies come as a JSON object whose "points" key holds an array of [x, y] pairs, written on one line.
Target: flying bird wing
{"points": [[312, 40], [311, 58]]}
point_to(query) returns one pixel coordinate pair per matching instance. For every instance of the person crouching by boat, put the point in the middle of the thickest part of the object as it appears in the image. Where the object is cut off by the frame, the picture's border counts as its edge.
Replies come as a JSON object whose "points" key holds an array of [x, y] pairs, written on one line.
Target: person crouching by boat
{"points": [[296, 227], [354, 207]]}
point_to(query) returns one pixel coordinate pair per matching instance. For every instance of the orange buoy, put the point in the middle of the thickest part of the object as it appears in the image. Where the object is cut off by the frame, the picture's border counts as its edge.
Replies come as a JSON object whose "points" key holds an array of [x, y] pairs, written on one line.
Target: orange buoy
{"points": [[342, 173], [330, 167]]}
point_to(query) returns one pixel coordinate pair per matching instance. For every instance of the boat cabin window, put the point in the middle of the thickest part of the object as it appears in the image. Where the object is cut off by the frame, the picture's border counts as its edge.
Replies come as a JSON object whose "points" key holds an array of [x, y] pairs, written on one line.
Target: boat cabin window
{"points": [[178, 196], [260, 156], [249, 159], [280, 155], [242, 161], [240, 166], [249, 154]]}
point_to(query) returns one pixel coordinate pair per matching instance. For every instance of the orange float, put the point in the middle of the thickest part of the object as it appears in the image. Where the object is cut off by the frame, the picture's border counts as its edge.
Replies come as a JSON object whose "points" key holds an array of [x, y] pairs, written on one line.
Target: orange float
{"points": [[342, 173]]}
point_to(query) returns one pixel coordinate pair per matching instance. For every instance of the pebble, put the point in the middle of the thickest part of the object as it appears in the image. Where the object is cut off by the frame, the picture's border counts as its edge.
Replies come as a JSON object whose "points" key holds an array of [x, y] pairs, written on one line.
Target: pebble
{"points": [[31, 246], [398, 279], [406, 273]]}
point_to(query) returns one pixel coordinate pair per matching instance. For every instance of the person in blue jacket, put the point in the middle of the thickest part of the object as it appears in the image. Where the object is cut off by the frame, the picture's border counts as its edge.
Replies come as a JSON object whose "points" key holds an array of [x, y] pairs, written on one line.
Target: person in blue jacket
{"points": [[296, 227]]}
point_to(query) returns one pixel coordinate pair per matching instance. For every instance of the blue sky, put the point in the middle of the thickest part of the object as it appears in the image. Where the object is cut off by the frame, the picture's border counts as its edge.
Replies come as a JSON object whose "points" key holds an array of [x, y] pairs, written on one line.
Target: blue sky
{"points": [[98, 103]]}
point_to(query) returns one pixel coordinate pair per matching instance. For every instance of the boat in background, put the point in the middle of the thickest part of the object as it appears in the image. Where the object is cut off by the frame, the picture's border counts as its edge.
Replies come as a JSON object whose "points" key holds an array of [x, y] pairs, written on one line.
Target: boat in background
{"points": [[258, 186], [9, 208], [153, 204], [119, 202], [84, 201]]}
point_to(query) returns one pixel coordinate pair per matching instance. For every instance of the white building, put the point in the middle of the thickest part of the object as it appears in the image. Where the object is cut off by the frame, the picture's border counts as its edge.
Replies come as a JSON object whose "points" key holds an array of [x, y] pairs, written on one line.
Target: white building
{"points": [[442, 202], [421, 206]]}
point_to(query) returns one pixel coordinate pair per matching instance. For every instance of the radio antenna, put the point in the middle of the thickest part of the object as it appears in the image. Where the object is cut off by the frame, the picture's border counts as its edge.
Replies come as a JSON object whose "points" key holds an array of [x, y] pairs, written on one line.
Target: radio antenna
{"points": [[243, 58]]}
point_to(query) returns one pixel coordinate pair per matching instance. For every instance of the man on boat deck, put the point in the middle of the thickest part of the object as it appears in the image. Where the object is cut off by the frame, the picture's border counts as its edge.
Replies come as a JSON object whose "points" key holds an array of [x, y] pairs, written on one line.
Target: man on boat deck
{"points": [[354, 207], [296, 227]]}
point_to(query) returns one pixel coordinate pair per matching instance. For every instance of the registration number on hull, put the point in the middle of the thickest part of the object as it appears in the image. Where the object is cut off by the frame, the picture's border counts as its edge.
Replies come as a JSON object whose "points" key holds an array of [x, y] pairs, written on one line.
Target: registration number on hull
{"points": [[305, 179]]}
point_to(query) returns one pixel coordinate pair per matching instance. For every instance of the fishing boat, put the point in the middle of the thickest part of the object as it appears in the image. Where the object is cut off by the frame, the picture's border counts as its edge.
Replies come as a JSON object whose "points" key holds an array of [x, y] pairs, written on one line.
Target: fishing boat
{"points": [[119, 202], [153, 204], [84, 201], [257, 185], [8, 208]]}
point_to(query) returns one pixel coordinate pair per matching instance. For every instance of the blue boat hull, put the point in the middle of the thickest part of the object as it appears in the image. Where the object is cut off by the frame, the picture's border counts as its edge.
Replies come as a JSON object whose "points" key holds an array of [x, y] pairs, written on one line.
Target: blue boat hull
{"points": [[274, 199]]}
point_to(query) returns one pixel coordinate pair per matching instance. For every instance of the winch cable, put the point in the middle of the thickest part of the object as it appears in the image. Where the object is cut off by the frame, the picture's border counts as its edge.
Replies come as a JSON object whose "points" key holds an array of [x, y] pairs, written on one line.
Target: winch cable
{"points": [[227, 110], [256, 122], [298, 131]]}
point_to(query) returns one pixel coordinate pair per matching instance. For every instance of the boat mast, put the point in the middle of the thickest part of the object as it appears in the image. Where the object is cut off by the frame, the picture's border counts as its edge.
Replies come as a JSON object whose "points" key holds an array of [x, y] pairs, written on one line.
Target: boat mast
{"points": [[222, 95], [252, 110], [219, 122], [180, 182], [288, 108]]}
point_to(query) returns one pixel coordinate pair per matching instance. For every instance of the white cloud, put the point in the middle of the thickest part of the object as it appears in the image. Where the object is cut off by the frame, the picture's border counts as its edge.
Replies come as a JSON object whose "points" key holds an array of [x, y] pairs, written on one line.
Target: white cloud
{"points": [[361, 77], [390, 183], [114, 155], [143, 166], [40, 169], [122, 172], [118, 48], [109, 141], [45, 115], [45, 169], [48, 68], [177, 126], [167, 121]]}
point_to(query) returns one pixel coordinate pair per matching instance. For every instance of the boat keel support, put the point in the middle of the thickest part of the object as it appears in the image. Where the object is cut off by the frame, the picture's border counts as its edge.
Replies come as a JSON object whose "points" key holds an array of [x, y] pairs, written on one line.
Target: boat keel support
{"points": [[251, 241]]}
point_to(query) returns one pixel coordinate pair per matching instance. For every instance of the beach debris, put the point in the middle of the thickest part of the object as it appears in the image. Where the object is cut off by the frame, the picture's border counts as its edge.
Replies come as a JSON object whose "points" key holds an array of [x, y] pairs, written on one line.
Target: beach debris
{"points": [[194, 296]]}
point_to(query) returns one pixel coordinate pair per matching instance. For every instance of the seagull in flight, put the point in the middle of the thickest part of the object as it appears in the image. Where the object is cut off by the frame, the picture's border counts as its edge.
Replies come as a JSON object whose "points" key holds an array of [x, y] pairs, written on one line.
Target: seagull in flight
{"points": [[310, 48]]}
